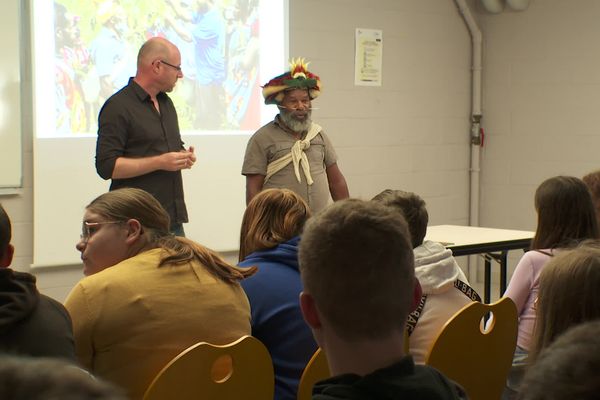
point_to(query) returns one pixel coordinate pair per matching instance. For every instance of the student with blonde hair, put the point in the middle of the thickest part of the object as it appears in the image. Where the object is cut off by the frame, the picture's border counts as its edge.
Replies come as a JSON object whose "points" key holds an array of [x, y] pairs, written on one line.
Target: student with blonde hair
{"points": [[269, 239], [148, 294], [569, 294], [567, 368]]}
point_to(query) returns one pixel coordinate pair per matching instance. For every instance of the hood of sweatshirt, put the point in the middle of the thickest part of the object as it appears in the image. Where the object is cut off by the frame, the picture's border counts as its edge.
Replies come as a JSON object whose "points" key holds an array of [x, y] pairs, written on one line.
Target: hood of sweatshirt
{"points": [[436, 268], [18, 297], [285, 253]]}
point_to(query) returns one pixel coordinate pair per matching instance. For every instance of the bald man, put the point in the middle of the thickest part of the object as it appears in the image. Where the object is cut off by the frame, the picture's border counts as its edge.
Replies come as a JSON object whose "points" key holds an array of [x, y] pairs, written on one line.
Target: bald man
{"points": [[139, 144]]}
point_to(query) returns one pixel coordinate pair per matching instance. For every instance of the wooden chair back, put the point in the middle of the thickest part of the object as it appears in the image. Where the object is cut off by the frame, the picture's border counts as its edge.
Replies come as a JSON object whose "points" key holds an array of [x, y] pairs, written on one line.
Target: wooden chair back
{"points": [[316, 370], [478, 358], [239, 370]]}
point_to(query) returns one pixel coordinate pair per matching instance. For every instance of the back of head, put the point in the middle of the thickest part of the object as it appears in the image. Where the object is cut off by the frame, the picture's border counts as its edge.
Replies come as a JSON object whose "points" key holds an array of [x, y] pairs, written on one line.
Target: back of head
{"points": [[566, 214], [568, 293], [412, 207], [592, 181], [272, 217], [132, 203], [24, 378], [568, 368], [357, 263], [5, 231]]}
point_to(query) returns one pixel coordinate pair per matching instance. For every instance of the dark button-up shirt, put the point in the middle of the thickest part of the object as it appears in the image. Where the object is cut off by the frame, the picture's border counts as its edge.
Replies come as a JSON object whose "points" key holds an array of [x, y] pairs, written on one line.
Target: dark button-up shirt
{"points": [[129, 126]]}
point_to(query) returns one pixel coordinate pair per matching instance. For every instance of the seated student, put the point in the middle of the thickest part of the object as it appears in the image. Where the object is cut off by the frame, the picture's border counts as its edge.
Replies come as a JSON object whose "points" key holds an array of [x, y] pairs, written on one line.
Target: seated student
{"points": [[148, 295], [269, 239], [357, 266], [30, 323], [568, 294], [592, 181], [567, 368], [445, 287], [23, 378], [566, 217]]}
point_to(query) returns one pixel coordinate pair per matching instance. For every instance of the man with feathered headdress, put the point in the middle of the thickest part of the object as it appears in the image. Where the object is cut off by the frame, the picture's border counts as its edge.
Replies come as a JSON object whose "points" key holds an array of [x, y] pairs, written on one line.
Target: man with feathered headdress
{"points": [[292, 151]]}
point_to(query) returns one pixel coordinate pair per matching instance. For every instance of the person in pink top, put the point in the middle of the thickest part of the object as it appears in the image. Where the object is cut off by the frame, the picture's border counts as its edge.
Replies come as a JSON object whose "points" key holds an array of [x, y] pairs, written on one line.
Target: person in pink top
{"points": [[566, 216]]}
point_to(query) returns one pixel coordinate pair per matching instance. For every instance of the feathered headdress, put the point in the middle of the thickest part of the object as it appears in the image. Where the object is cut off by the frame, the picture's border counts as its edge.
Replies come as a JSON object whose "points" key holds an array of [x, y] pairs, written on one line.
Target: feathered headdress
{"points": [[298, 77]]}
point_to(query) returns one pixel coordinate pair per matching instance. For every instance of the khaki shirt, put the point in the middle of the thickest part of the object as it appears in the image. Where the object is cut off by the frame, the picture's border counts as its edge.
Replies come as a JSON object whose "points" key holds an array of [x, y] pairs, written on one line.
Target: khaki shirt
{"points": [[271, 142]]}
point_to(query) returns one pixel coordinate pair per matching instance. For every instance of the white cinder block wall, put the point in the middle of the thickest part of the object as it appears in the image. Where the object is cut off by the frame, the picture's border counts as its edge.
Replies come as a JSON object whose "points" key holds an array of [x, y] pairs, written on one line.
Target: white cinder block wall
{"points": [[541, 103], [411, 133]]}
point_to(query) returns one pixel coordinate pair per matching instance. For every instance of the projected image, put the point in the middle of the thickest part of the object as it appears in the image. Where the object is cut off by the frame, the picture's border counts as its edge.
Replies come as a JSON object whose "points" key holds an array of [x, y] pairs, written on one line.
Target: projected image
{"points": [[95, 46]]}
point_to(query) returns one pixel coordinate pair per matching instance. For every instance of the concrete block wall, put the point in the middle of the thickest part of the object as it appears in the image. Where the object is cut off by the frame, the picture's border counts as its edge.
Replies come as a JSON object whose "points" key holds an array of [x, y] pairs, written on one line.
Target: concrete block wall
{"points": [[541, 81], [541, 100]]}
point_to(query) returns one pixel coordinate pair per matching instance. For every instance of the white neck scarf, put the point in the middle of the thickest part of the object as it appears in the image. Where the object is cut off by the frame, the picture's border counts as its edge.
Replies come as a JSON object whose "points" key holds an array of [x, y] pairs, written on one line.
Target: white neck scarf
{"points": [[297, 156]]}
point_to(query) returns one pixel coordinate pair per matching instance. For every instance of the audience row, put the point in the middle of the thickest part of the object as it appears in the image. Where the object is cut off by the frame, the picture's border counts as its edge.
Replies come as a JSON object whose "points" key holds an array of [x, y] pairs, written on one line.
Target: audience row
{"points": [[350, 280]]}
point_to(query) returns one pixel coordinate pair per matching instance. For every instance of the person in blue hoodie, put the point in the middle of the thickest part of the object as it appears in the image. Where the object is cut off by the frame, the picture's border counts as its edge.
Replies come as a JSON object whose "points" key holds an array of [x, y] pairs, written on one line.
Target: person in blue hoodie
{"points": [[269, 239]]}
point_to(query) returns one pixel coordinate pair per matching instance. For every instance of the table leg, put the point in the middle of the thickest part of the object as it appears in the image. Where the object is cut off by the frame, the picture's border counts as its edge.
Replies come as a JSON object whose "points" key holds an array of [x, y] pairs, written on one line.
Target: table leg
{"points": [[487, 281], [503, 272]]}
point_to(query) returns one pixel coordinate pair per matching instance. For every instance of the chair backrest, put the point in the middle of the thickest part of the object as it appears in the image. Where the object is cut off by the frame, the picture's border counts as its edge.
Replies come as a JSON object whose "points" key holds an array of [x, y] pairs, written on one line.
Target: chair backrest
{"points": [[479, 361], [316, 370], [239, 370]]}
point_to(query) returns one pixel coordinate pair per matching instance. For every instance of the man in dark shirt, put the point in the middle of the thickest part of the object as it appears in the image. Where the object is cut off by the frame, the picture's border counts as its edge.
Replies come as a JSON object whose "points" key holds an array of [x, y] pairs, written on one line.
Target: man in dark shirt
{"points": [[357, 267], [139, 144]]}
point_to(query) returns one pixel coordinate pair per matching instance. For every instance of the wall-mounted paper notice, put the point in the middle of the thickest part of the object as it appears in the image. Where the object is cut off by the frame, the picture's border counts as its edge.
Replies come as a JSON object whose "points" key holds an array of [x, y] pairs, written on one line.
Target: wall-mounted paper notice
{"points": [[368, 56]]}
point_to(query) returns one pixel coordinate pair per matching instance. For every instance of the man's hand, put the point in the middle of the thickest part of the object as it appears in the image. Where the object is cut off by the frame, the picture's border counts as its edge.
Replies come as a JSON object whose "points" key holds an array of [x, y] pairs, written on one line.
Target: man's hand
{"points": [[192, 154], [172, 161], [178, 160]]}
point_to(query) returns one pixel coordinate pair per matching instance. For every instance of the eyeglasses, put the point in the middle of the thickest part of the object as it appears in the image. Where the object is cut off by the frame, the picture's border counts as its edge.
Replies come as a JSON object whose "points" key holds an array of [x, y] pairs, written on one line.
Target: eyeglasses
{"points": [[178, 68], [89, 228]]}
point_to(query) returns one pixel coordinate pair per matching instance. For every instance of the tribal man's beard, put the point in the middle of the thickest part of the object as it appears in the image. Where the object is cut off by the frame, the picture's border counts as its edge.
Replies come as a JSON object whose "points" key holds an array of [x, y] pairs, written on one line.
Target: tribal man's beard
{"points": [[294, 124]]}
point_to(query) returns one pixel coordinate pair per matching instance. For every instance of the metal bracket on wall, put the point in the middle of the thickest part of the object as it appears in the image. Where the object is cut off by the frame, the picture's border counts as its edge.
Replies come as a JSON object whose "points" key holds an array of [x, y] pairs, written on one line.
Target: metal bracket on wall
{"points": [[475, 131]]}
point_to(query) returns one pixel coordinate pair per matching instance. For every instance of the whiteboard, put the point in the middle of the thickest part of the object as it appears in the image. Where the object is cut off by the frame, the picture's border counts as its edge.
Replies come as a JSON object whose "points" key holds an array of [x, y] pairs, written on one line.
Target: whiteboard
{"points": [[10, 96]]}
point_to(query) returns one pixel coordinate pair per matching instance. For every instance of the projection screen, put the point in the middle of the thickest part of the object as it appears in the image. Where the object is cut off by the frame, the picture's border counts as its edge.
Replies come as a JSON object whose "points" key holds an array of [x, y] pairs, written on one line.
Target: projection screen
{"points": [[83, 51]]}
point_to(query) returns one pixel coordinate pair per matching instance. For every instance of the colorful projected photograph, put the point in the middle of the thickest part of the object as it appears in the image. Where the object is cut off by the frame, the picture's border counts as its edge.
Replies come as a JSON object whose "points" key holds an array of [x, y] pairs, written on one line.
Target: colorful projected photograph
{"points": [[95, 46]]}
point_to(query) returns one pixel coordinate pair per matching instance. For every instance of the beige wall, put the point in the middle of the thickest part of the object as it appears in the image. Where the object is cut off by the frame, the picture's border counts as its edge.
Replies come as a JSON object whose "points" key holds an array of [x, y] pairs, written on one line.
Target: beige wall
{"points": [[541, 99], [541, 103]]}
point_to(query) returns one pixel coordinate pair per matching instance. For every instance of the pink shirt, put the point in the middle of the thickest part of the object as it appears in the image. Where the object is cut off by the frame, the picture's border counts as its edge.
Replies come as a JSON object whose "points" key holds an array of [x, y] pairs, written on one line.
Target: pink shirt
{"points": [[523, 290]]}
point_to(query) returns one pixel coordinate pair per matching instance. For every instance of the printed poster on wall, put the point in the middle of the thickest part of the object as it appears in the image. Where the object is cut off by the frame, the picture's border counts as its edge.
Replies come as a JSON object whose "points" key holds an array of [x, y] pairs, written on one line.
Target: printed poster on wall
{"points": [[368, 57]]}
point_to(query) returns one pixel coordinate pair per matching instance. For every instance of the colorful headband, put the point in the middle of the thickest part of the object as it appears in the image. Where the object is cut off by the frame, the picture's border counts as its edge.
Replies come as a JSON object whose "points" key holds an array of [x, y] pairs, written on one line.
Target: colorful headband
{"points": [[297, 78]]}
